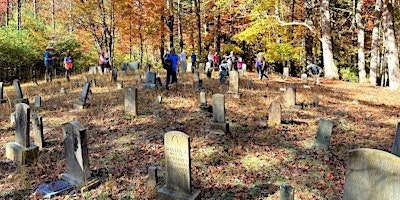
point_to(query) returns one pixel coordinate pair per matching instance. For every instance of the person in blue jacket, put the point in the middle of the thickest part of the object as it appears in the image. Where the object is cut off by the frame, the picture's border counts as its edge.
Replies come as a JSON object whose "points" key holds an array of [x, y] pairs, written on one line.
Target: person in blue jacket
{"points": [[48, 63], [172, 73]]}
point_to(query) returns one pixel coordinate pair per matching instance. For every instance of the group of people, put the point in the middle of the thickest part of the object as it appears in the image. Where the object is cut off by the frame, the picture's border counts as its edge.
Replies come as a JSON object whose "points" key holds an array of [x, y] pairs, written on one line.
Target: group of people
{"points": [[230, 61], [177, 64]]}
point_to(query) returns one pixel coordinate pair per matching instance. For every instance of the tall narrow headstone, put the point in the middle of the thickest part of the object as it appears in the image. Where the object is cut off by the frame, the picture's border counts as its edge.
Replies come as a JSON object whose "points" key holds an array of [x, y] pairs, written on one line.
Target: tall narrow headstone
{"points": [[372, 174], [218, 121], [81, 104], [285, 73], [324, 133], [114, 74], [37, 135], [290, 95], [22, 151], [76, 154], [396, 142], [139, 79], [2, 100], [131, 101], [38, 103], [150, 80], [18, 91], [286, 192], [274, 113], [178, 167], [203, 102], [234, 82]]}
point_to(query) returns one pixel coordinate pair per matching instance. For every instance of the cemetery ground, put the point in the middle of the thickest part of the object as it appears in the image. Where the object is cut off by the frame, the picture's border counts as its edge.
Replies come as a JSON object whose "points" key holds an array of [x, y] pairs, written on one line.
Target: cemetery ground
{"points": [[249, 163]]}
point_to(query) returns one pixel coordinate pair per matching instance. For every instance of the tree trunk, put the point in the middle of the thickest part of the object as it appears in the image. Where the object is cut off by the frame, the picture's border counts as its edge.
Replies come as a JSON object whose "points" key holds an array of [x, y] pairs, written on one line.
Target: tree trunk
{"points": [[35, 9], [69, 18], [360, 36], [375, 44], [141, 32], [19, 21], [216, 34], [162, 37], [53, 17], [390, 42], [309, 39], [180, 34], [197, 5], [170, 23], [7, 11], [329, 65]]}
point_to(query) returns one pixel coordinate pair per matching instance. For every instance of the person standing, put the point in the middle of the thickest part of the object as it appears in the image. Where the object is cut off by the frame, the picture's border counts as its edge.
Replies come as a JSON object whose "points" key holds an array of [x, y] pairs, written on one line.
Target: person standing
{"points": [[193, 58], [183, 62], [48, 63], [239, 62], [216, 61], [314, 71], [172, 72], [67, 66], [103, 61], [260, 66]]}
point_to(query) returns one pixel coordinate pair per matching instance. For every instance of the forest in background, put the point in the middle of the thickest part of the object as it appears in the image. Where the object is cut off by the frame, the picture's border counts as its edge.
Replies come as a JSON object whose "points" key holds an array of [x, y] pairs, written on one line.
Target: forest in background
{"points": [[353, 40]]}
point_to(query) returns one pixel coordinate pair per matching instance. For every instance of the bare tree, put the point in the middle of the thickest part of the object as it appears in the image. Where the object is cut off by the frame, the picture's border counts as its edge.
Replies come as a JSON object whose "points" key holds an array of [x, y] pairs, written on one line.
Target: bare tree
{"points": [[360, 36]]}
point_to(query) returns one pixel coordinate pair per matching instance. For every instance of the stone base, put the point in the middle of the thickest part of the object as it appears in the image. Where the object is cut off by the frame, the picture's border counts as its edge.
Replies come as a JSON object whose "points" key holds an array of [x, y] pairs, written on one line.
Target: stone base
{"points": [[16, 101], [80, 184], [20, 154], [167, 194], [221, 126], [149, 86], [80, 105]]}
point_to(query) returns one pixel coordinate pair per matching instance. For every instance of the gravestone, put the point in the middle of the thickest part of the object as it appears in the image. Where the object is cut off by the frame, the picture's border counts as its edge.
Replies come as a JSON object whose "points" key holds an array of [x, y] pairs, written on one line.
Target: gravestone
{"points": [[114, 75], [183, 67], [324, 133], [92, 70], [99, 70], [203, 101], [81, 104], [76, 155], [133, 66], [285, 73], [244, 68], [22, 151], [286, 192], [372, 174], [120, 85], [189, 67], [85, 79], [131, 101], [106, 70], [153, 177], [234, 83], [207, 67], [159, 99], [2, 100], [218, 121], [37, 135], [178, 168], [158, 83], [304, 78], [124, 69], [50, 190], [290, 95], [150, 80], [250, 83], [274, 113], [241, 72], [201, 67], [18, 91], [196, 76], [396, 143], [209, 72], [63, 91], [12, 118], [38, 103], [93, 83], [200, 85]]}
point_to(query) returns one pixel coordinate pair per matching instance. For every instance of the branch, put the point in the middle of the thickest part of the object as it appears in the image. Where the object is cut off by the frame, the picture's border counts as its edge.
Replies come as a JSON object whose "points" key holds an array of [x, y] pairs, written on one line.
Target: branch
{"points": [[294, 23]]}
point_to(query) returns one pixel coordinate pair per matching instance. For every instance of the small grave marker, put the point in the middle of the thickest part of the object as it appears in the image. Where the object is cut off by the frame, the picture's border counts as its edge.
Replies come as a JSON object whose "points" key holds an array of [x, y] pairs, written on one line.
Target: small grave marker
{"points": [[286, 192], [324, 133], [150, 80], [285, 73], [274, 113], [158, 83], [84, 95], [38, 103], [153, 176], [218, 121], [37, 135], [131, 101], [2, 100], [290, 95], [18, 91], [114, 74], [304, 78]]}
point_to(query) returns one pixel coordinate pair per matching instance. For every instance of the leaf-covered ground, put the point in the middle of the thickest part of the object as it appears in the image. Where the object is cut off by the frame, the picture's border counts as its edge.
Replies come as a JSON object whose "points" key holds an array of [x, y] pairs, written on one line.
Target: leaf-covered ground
{"points": [[250, 163]]}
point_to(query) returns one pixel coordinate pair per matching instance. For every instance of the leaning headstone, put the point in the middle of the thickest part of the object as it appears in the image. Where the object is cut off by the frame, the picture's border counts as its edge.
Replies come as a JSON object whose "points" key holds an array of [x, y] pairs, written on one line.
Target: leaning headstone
{"points": [[37, 135], [290, 95], [372, 174], [286, 192], [114, 74], [218, 121], [2, 100], [38, 103], [158, 83], [131, 101], [22, 151], [18, 91], [153, 177], [150, 80], [76, 155], [285, 73], [304, 78], [324, 133], [396, 143], [178, 168], [81, 104], [274, 113]]}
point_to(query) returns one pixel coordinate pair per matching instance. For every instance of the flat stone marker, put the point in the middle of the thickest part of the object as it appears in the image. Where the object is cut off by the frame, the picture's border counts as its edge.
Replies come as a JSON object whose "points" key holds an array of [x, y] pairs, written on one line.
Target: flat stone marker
{"points": [[82, 99], [18, 91], [324, 133], [37, 134], [290, 95], [218, 121], [38, 103], [178, 167], [396, 142], [304, 78], [150, 80], [274, 113], [76, 155], [22, 151], [131, 101], [372, 174], [2, 100], [50, 190], [286, 192]]}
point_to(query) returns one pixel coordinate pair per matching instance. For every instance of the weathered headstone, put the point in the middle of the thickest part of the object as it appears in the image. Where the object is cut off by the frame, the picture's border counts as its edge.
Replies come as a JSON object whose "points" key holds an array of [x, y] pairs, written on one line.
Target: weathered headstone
{"points": [[38, 103], [131, 101], [114, 75], [207, 67], [372, 174], [85, 79], [150, 80], [2, 100], [304, 78], [12, 118], [81, 104], [92, 70], [158, 83], [244, 68], [274, 113], [203, 101], [234, 82], [250, 84], [93, 83], [189, 67], [133, 66], [18, 91], [22, 151], [178, 167], [37, 135], [159, 99], [285, 73], [286, 192], [218, 121], [290, 95], [201, 67], [124, 69], [153, 177], [196, 76], [200, 85], [241, 72], [99, 70], [324, 133], [63, 91], [396, 142], [76, 155]]}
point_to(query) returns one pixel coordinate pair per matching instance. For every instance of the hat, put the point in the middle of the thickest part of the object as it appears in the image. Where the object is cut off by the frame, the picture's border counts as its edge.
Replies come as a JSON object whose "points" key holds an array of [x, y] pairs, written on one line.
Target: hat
{"points": [[49, 48]]}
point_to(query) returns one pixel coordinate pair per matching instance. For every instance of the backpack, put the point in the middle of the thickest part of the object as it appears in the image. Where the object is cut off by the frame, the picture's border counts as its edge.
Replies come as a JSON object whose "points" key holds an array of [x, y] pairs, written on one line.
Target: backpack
{"points": [[314, 69], [167, 62]]}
